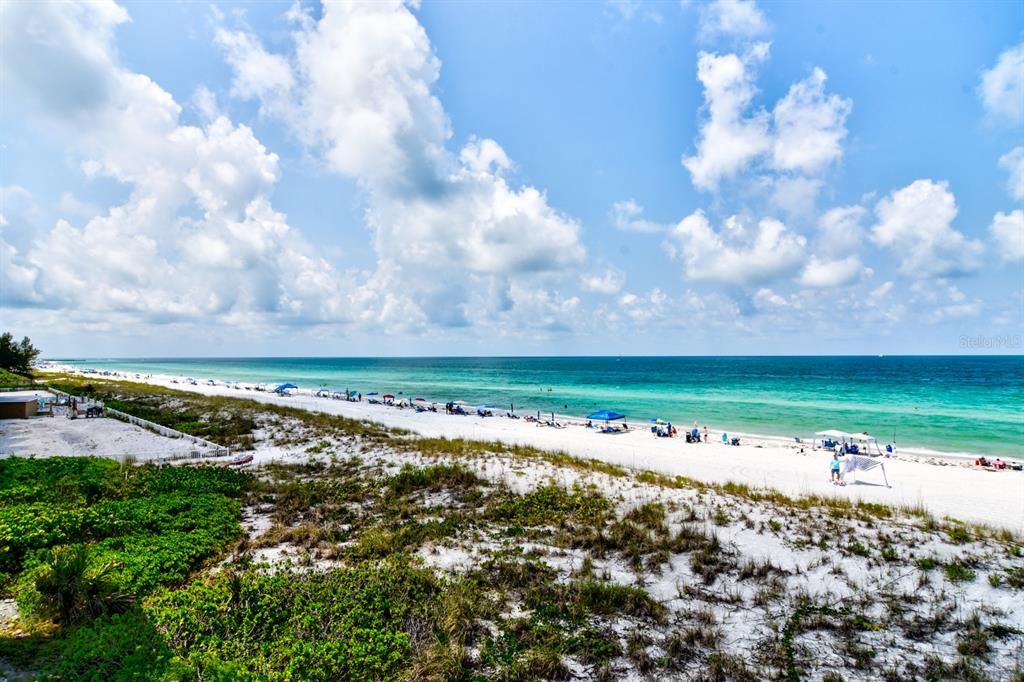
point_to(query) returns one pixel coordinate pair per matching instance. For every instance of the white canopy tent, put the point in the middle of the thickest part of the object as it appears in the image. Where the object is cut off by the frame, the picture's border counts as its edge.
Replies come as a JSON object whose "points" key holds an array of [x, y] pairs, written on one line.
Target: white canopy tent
{"points": [[868, 442], [831, 434]]}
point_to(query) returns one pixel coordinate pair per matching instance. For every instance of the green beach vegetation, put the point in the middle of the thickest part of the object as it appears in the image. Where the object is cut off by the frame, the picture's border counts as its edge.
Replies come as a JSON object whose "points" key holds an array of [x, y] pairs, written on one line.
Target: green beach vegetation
{"points": [[12, 380]]}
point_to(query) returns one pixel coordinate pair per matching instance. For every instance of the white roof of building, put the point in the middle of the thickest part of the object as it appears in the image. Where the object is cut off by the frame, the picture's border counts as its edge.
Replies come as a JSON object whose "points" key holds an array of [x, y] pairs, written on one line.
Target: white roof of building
{"points": [[23, 396]]}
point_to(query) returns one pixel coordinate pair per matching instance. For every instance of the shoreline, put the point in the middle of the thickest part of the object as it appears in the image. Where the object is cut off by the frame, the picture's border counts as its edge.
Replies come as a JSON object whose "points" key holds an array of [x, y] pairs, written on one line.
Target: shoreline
{"points": [[247, 389], [937, 484]]}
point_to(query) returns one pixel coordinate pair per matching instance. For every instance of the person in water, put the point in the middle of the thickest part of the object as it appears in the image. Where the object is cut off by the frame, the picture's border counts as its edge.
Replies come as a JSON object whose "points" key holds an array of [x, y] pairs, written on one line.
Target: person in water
{"points": [[836, 476]]}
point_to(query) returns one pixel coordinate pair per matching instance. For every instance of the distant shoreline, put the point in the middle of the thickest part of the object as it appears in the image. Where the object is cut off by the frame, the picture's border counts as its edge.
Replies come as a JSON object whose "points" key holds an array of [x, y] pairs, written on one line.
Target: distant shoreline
{"points": [[735, 407]]}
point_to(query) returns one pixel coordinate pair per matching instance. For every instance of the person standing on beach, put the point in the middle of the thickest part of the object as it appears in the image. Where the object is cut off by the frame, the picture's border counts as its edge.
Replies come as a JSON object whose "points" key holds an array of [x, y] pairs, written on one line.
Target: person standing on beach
{"points": [[836, 476]]}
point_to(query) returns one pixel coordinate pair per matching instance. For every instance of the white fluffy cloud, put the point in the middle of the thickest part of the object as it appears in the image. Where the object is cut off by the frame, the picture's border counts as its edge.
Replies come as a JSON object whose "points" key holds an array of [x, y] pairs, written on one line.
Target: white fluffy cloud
{"points": [[1013, 163], [729, 138], [827, 274], [197, 235], [1002, 86], [841, 230], [916, 222], [628, 215], [803, 134], [809, 126], [731, 18], [445, 225], [257, 72], [738, 254], [1007, 231]]}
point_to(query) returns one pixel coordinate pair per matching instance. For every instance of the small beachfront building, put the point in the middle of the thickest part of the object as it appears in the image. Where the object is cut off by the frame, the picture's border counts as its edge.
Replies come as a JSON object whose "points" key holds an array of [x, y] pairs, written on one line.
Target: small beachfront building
{"points": [[20, 404]]}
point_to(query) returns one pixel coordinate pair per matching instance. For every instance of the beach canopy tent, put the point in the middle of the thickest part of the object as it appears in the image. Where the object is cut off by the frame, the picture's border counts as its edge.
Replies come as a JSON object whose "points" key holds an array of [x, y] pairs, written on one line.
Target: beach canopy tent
{"points": [[657, 420], [373, 393], [868, 442], [388, 395], [855, 463], [833, 435], [606, 416], [284, 387], [420, 400]]}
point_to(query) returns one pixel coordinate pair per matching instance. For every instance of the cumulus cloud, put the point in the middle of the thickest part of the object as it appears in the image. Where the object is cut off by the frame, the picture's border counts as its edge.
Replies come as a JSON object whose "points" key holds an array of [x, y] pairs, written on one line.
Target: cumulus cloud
{"points": [[940, 301], [841, 229], [809, 126], [73, 71], [738, 253], [197, 235], [916, 223], [609, 282], [802, 135], [1002, 87], [1013, 163], [731, 18], [766, 299], [257, 73], [691, 310], [360, 95], [1007, 230], [628, 215], [821, 273], [729, 139]]}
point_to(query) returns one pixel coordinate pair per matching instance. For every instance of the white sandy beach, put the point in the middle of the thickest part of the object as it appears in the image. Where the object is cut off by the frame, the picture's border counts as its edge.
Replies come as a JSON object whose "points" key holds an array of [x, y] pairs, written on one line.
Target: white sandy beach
{"points": [[954, 489]]}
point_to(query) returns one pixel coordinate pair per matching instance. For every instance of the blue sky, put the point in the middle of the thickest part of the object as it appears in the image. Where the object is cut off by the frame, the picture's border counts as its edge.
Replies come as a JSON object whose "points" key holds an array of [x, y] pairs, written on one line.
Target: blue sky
{"points": [[512, 178]]}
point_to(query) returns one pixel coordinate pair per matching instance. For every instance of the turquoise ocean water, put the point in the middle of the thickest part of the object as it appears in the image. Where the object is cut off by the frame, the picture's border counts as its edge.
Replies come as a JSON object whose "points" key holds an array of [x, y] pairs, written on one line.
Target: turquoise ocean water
{"points": [[958, 404]]}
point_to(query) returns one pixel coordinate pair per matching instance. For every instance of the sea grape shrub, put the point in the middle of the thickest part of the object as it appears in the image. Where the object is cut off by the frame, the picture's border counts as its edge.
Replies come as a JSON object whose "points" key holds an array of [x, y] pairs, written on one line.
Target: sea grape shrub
{"points": [[114, 648], [67, 480], [154, 526], [27, 527], [189, 481], [357, 623], [155, 540]]}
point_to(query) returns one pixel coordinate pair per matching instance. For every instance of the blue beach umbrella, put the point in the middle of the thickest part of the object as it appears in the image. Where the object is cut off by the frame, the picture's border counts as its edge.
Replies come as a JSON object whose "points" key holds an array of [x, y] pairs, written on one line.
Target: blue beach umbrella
{"points": [[284, 387], [606, 416], [373, 393]]}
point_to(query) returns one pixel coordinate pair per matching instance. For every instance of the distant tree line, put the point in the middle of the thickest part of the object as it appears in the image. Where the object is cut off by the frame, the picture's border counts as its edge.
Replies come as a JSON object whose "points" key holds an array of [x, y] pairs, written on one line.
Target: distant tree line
{"points": [[17, 357]]}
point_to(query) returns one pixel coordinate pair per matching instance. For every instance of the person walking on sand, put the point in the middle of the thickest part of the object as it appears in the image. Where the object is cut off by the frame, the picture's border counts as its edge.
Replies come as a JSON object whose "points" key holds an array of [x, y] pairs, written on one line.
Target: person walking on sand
{"points": [[836, 476]]}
